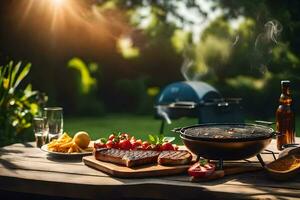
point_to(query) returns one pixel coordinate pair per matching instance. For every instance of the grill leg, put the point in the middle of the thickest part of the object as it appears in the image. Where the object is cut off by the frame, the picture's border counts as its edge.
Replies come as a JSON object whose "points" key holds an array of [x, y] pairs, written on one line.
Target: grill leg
{"points": [[220, 164], [260, 160], [162, 126]]}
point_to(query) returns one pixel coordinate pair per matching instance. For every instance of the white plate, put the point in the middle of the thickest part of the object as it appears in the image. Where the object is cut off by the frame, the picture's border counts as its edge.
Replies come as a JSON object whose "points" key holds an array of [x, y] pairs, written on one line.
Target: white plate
{"points": [[45, 148]]}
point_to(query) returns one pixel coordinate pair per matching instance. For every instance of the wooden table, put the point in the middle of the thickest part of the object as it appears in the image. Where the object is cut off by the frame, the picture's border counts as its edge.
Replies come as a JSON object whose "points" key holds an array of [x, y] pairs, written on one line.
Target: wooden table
{"points": [[26, 169]]}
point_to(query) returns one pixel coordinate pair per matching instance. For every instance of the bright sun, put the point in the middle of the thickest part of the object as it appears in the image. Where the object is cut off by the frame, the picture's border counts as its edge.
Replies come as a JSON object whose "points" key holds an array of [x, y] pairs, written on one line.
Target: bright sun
{"points": [[58, 3]]}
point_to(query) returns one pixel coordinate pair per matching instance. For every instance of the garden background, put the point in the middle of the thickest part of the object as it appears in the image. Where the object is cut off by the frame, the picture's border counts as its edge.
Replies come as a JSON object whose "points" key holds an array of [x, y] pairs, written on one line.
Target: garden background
{"points": [[106, 61]]}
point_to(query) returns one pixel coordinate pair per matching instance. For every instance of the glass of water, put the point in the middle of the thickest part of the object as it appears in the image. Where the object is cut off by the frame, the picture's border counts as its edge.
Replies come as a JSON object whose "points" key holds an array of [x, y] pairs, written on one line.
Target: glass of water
{"points": [[54, 122], [40, 131]]}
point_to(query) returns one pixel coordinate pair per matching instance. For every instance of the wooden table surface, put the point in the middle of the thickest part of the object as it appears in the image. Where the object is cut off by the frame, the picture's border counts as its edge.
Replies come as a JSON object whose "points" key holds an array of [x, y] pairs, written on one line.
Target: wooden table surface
{"points": [[24, 168]]}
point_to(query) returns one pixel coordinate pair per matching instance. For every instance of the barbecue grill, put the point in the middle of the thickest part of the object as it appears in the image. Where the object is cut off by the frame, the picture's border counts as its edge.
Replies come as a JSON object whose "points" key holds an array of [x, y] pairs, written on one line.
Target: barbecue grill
{"points": [[226, 141], [199, 100]]}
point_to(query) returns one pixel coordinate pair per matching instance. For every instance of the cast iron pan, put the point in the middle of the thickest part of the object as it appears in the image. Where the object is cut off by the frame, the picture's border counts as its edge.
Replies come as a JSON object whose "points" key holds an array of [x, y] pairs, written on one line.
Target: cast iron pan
{"points": [[226, 141]]}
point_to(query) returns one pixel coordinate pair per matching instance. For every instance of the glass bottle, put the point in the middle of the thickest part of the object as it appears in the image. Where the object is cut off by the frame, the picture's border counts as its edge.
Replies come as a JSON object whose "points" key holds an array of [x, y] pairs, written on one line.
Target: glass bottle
{"points": [[285, 118]]}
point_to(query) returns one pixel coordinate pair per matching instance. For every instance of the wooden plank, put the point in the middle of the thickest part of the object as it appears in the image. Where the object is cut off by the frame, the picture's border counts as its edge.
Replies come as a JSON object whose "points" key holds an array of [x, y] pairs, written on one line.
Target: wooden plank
{"points": [[51, 167], [105, 187]]}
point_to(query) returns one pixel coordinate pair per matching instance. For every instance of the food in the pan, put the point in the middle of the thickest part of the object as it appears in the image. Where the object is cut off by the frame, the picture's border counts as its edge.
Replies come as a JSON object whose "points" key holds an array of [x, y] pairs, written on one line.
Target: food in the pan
{"points": [[126, 157], [228, 131], [287, 163], [201, 169], [180, 157], [127, 142], [67, 144]]}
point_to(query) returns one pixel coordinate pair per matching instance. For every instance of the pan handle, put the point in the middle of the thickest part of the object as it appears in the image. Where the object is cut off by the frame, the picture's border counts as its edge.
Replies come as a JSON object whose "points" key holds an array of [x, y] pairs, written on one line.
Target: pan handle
{"points": [[177, 130], [266, 123], [290, 145]]}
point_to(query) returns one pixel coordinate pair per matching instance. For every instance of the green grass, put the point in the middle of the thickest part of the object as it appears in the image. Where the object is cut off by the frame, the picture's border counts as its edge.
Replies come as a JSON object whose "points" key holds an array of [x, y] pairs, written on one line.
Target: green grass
{"points": [[139, 126]]}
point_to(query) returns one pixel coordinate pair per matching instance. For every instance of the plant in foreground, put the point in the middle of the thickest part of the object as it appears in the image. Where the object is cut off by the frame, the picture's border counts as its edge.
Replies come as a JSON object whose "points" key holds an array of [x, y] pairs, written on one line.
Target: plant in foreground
{"points": [[17, 106]]}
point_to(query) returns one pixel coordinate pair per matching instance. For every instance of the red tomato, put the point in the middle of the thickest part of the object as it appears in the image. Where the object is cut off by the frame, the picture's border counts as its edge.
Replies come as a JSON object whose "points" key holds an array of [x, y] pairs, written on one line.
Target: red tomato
{"points": [[145, 144], [125, 144], [139, 141], [111, 137], [111, 144], [135, 145], [198, 170], [166, 146], [98, 144]]}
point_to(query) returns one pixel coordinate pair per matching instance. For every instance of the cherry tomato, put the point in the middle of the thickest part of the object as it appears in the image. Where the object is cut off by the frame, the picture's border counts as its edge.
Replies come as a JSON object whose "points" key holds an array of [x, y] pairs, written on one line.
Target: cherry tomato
{"points": [[139, 141], [166, 146], [125, 144], [198, 170], [135, 145], [111, 137], [111, 144], [145, 144]]}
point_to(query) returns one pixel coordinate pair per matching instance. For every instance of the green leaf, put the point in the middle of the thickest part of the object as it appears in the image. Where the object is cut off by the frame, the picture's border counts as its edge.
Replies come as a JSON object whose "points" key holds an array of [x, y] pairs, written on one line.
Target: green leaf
{"points": [[103, 140], [168, 139], [14, 72], [158, 141], [28, 93], [203, 162], [152, 139], [2, 75], [10, 66], [22, 75]]}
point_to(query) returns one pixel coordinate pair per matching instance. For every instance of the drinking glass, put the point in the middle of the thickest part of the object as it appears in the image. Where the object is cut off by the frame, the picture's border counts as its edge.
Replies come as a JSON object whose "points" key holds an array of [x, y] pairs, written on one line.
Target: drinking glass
{"points": [[40, 131], [54, 122]]}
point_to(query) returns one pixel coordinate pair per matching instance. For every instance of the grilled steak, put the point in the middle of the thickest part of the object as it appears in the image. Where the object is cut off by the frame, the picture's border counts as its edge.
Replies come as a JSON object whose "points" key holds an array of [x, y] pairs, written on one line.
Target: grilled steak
{"points": [[126, 157], [180, 157]]}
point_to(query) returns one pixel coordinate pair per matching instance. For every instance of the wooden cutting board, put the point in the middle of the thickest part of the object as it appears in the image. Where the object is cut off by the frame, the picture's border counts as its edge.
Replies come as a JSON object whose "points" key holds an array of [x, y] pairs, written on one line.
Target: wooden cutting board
{"points": [[230, 168], [136, 172]]}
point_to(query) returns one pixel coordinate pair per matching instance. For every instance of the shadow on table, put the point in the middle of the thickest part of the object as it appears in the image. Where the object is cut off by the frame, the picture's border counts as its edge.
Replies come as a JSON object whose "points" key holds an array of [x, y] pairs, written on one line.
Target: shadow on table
{"points": [[262, 183], [5, 163], [26, 196], [26, 144], [9, 151], [64, 159]]}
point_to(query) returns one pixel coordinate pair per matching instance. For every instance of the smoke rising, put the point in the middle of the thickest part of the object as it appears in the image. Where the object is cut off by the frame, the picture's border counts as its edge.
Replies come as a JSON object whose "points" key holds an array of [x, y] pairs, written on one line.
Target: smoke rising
{"points": [[236, 40], [264, 44], [271, 33]]}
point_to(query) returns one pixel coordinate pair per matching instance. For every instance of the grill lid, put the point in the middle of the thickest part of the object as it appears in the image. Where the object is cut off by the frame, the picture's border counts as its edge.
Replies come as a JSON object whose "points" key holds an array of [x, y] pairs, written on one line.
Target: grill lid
{"points": [[227, 132], [187, 91]]}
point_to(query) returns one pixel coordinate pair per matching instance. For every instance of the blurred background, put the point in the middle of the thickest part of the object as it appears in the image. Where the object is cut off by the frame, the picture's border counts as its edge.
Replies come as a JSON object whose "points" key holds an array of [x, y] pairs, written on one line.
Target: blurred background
{"points": [[105, 61]]}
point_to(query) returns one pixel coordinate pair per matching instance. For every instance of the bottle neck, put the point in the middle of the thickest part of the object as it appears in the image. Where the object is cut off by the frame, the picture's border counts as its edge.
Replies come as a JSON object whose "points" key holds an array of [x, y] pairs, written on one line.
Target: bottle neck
{"points": [[285, 90], [285, 97]]}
